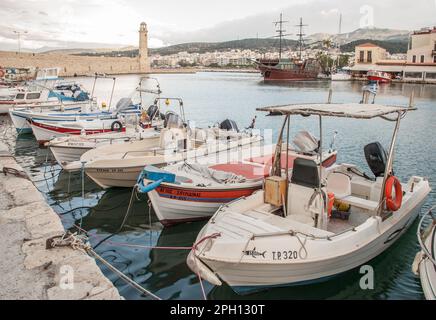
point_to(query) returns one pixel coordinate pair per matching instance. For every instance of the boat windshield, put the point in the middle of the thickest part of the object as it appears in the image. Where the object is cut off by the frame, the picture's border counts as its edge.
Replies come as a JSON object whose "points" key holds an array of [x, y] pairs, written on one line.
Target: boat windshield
{"points": [[173, 120]]}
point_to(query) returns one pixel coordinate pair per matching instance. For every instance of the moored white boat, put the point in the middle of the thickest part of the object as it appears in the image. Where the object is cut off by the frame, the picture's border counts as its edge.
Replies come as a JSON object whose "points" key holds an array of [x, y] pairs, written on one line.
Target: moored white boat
{"points": [[195, 190], [46, 131], [120, 165], [424, 264], [68, 149], [254, 243]]}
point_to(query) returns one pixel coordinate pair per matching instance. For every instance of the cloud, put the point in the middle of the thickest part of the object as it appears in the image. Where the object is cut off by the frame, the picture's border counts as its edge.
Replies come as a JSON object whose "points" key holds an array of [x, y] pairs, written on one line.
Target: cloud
{"points": [[52, 23]]}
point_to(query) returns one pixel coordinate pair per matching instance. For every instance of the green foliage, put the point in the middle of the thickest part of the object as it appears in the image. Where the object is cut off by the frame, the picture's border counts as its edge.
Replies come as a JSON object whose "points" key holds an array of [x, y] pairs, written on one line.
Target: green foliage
{"points": [[391, 46]]}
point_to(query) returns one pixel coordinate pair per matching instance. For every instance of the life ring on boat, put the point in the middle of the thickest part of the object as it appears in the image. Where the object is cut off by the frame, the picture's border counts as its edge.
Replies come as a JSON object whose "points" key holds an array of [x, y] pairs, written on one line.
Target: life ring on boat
{"points": [[116, 126], [391, 203], [2, 73]]}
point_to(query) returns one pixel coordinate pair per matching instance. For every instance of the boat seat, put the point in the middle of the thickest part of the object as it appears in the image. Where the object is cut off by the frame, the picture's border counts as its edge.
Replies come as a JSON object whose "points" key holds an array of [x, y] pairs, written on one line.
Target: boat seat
{"points": [[360, 203], [339, 184]]}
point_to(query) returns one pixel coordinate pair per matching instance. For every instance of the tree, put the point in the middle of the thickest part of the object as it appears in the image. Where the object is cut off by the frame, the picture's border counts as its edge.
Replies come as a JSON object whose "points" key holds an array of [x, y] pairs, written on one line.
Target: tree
{"points": [[325, 61]]}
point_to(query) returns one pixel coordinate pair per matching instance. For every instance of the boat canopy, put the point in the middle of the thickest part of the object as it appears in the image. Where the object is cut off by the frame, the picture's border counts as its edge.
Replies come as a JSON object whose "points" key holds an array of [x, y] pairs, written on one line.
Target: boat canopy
{"points": [[343, 110]]}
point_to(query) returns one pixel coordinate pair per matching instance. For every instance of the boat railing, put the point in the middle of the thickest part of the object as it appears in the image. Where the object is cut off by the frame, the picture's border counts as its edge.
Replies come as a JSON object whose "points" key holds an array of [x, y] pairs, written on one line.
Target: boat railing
{"points": [[424, 233]]}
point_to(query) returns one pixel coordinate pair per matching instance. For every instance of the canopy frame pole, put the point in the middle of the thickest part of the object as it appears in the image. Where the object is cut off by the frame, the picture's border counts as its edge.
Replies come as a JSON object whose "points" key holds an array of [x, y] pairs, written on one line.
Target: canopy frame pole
{"points": [[320, 171], [287, 165], [388, 169], [276, 167], [93, 86], [112, 92]]}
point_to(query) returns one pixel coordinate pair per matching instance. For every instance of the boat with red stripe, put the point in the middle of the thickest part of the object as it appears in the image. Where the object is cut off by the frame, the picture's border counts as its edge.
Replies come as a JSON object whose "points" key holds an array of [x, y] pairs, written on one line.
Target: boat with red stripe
{"points": [[46, 131]]}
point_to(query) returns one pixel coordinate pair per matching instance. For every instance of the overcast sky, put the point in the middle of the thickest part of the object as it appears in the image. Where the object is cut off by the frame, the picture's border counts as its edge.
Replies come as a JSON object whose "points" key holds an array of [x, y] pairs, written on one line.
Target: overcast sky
{"points": [[103, 23]]}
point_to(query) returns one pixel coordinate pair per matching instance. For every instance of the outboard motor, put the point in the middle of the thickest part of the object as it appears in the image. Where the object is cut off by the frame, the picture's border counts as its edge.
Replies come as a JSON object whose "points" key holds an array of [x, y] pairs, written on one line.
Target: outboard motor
{"points": [[152, 111], [306, 142], [229, 125], [376, 158]]}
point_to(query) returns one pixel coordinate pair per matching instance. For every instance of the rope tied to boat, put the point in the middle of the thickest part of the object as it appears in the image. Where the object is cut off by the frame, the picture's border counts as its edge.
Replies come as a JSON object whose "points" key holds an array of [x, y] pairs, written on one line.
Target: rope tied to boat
{"points": [[15, 172], [81, 243]]}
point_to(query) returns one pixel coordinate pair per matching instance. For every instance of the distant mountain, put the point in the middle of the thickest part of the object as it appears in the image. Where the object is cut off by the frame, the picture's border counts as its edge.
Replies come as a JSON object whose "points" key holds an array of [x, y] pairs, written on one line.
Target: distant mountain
{"points": [[361, 34], [202, 47]]}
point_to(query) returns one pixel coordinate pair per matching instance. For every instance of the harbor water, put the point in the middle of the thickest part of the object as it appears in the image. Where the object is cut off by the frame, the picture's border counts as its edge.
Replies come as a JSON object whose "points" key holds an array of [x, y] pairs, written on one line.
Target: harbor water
{"points": [[209, 98]]}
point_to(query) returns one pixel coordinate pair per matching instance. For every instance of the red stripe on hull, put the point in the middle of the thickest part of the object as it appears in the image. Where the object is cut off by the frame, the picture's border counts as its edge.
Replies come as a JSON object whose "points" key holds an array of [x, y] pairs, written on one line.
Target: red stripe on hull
{"points": [[71, 130], [183, 194], [379, 79]]}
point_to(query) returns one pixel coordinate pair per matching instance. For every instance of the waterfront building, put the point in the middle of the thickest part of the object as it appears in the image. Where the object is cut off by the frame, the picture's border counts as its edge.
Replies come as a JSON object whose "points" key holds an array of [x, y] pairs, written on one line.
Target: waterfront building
{"points": [[418, 66]]}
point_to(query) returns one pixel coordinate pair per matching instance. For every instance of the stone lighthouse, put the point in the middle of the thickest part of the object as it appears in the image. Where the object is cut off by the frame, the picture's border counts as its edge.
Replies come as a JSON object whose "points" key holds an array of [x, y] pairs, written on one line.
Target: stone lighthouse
{"points": [[144, 64]]}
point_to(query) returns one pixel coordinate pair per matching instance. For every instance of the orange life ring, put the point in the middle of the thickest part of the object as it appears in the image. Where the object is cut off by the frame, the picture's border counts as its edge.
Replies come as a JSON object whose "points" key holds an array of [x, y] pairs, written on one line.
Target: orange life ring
{"points": [[393, 204], [2, 73]]}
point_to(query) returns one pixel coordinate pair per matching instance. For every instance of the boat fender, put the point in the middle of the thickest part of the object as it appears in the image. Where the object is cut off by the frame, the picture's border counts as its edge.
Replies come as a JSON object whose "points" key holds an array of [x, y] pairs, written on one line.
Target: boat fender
{"points": [[391, 203], [142, 188], [116, 126]]}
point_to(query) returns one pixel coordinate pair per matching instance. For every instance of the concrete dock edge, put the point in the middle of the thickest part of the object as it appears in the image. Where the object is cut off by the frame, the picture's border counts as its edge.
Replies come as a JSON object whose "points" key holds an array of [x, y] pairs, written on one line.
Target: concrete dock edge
{"points": [[27, 269]]}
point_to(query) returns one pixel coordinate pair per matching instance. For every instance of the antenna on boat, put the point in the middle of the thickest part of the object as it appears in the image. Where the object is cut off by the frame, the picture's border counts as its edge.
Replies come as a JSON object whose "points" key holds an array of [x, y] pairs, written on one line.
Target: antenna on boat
{"points": [[300, 35], [281, 32]]}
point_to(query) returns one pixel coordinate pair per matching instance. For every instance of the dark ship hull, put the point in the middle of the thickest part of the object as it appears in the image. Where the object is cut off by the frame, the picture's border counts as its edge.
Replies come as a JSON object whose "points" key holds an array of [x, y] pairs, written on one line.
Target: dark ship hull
{"points": [[285, 70]]}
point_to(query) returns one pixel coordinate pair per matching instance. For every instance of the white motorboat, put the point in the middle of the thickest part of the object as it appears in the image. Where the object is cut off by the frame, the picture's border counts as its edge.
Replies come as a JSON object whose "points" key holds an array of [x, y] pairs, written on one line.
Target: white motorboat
{"points": [[195, 190], [425, 260], [343, 74], [38, 96], [120, 165], [329, 220], [46, 131], [70, 148]]}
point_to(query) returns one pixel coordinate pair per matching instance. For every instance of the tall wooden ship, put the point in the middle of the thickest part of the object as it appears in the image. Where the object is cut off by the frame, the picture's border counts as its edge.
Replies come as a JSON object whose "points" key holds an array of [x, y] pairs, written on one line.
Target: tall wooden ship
{"points": [[283, 69]]}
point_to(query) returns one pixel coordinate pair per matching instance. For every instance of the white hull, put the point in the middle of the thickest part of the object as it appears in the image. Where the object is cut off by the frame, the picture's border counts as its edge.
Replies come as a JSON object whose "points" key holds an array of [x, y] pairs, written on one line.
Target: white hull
{"points": [[340, 77], [19, 116], [70, 153], [69, 149], [317, 259], [121, 167], [426, 268], [171, 211]]}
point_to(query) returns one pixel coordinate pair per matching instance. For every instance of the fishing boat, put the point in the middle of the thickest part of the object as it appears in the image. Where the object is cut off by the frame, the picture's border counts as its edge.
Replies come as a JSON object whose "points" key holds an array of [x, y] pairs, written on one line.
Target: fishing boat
{"points": [[70, 113], [195, 190], [120, 165], [424, 264], [329, 221], [46, 131], [283, 69], [341, 75], [36, 95], [378, 76], [125, 108], [70, 148]]}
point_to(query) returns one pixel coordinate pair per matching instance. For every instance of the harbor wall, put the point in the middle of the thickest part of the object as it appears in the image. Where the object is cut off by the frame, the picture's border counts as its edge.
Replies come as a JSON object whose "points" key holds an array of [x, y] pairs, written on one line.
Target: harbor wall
{"points": [[28, 270], [71, 65]]}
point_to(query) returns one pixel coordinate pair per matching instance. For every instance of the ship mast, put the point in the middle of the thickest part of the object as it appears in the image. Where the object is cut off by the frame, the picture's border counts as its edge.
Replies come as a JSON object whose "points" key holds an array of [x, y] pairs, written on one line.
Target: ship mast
{"points": [[300, 35], [281, 32]]}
